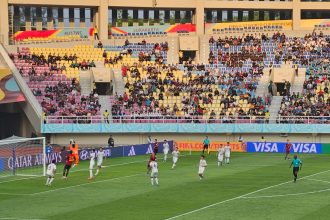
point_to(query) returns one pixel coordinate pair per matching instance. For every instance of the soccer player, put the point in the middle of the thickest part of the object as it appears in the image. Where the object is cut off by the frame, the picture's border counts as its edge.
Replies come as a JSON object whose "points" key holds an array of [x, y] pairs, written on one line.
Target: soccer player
{"points": [[100, 156], [166, 148], [175, 157], [75, 151], [206, 144], [51, 171], [154, 172], [221, 153], [156, 147], [68, 163], [227, 153], [152, 158], [202, 166], [288, 146], [297, 165], [91, 164]]}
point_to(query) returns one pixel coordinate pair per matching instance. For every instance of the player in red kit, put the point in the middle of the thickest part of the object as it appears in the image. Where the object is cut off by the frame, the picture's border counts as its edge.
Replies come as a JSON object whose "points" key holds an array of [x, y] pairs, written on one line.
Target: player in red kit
{"points": [[288, 146], [156, 147], [152, 158], [68, 163]]}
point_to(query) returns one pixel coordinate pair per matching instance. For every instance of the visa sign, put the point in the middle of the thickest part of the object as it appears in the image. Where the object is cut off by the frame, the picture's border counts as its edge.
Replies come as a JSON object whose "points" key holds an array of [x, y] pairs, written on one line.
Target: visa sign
{"points": [[279, 147]]}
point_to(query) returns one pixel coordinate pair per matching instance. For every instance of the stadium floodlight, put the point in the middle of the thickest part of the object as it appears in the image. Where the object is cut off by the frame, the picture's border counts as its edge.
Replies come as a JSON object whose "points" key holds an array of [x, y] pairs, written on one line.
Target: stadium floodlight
{"points": [[23, 157]]}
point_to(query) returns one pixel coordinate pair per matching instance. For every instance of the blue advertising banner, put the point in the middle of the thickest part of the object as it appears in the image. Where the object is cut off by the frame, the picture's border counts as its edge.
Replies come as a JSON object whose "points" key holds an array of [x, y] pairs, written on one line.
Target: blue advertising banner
{"points": [[279, 147]]}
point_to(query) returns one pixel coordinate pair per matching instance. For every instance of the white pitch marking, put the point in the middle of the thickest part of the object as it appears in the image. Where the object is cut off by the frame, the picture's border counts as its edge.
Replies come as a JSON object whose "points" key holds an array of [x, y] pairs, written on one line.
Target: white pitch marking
{"points": [[84, 184], [239, 197], [323, 181], [20, 218], [14, 194], [283, 195], [8, 181]]}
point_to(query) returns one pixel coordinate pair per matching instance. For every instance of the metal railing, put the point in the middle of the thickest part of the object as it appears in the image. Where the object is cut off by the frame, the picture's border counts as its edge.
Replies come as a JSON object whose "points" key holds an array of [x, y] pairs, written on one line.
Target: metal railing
{"points": [[186, 119]]}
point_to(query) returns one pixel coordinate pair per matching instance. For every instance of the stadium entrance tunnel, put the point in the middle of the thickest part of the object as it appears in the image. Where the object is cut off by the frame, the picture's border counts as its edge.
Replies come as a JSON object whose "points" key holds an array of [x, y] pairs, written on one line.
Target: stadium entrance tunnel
{"points": [[189, 55], [280, 87]]}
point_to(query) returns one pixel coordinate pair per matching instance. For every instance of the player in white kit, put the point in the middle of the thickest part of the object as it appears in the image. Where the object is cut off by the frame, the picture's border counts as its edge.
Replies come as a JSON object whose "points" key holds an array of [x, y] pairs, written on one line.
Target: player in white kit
{"points": [[227, 153], [221, 153], [154, 172], [91, 164], [166, 148], [51, 171], [175, 157], [202, 166], [100, 156]]}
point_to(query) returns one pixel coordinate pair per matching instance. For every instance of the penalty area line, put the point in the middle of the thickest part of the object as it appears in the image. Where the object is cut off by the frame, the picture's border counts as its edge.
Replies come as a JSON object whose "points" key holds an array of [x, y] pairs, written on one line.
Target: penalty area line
{"points": [[84, 184], [283, 195], [240, 197], [4, 218]]}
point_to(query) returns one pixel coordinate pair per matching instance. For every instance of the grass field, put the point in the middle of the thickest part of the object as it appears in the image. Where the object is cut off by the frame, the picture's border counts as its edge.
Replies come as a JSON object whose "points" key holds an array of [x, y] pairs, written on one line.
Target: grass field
{"points": [[252, 186]]}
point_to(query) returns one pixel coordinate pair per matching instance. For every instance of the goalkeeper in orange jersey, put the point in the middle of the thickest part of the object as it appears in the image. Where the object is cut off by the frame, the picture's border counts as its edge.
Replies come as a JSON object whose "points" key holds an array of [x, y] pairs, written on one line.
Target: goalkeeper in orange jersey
{"points": [[74, 148]]}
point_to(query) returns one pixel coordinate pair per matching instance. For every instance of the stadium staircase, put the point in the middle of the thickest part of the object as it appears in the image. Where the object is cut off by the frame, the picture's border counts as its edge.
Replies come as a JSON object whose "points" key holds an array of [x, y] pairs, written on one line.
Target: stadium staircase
{"points": [[262, 89], [104, 101], [85, 81], [173, 52], [204, 49], [118, 81], [299, 81], [274, 108], [31, 107]]}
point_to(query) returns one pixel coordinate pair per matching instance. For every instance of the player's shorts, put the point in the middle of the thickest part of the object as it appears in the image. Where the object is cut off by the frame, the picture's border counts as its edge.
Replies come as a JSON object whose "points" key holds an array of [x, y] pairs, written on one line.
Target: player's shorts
{"points": [[175, 159], [287, 152], [295, 169], [165, 151], [220, 158], [206, 146], [201, 170], [155, 150], [67, 167], [91, 165], [50, 175], [99, 163], [154, 174], [227, 154]]}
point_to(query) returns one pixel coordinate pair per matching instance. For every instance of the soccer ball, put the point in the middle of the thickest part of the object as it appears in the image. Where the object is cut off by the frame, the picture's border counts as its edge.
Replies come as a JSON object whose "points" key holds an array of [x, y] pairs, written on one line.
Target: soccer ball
{"points": [[72, 141]]}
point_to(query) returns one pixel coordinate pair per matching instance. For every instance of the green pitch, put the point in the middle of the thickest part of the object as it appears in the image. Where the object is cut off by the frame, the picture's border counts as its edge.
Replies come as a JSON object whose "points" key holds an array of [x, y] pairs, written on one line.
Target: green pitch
{"points": [[252, 186]]}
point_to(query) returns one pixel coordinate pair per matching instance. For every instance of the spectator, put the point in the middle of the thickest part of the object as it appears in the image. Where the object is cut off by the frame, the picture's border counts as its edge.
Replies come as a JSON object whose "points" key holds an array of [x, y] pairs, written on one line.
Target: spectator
{"points": [[111, 142]]}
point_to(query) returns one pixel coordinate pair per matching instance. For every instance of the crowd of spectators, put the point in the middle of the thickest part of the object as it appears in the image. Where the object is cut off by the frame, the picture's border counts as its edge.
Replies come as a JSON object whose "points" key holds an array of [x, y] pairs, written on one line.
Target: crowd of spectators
{"points": [[194, 94], [57, 97]]}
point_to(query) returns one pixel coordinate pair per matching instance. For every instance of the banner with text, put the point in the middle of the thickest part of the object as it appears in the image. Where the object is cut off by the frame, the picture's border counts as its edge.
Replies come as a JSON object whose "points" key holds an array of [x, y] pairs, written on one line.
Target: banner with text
{"points": [[53, 34], [214, 146], [166, 28], [279, 147]]}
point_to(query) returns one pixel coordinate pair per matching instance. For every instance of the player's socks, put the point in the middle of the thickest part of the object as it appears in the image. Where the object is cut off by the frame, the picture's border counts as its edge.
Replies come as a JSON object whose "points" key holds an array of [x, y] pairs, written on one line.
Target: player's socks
{"points": [[152, 181], [50, 181], [47, 182], [97, 172], [73, 165], [90, 174], [156, 180], [218, 164]]}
